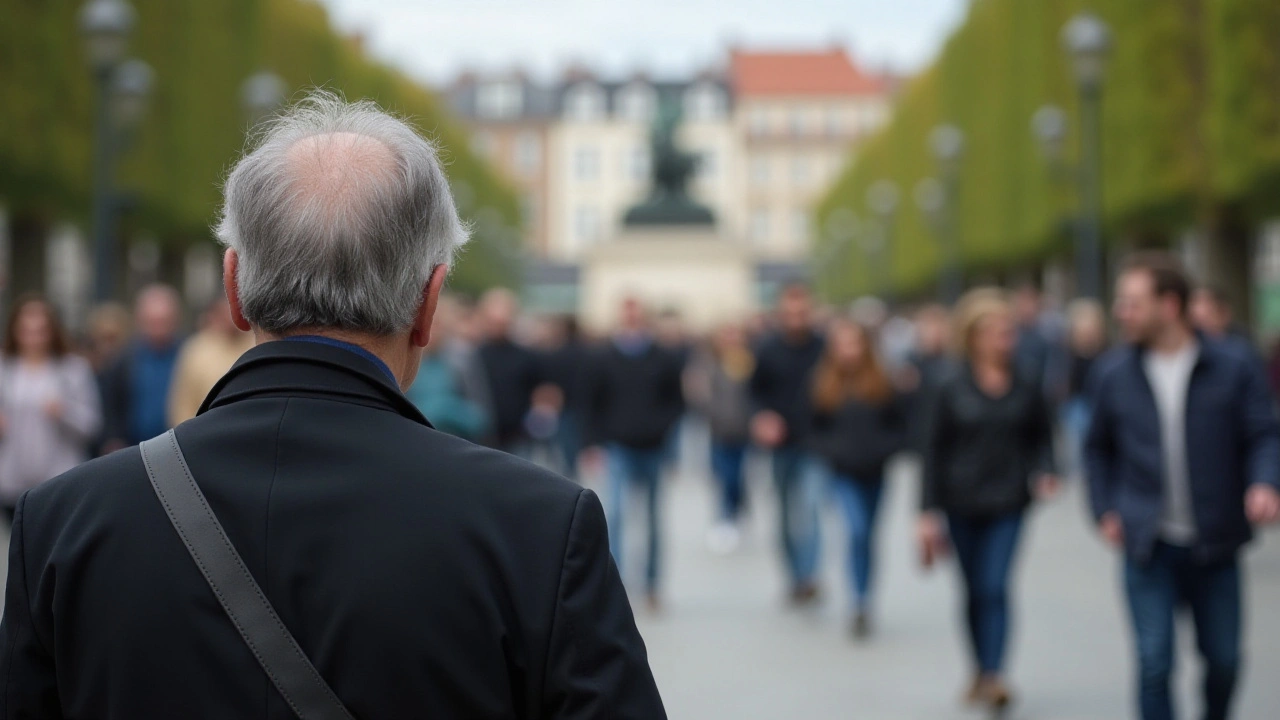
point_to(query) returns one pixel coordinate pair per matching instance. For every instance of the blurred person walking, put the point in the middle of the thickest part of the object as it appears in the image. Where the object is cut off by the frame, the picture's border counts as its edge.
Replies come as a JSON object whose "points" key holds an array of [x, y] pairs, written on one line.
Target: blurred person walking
{"points": [[931, 362], [780, 392], [394, 571], [859, 423], [512, 373], [50, 410], [1033, 351], [1211, 315], [106, 335], [135, 390], [634, 399], [204, 358], [1086, 341], [438, 393], [565, 366], [1183, 458], [717, 387], [989, 450]]}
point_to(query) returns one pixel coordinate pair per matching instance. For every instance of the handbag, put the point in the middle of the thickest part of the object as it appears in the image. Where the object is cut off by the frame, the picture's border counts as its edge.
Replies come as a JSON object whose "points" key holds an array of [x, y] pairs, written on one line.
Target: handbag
{"points": [[279, 654]]}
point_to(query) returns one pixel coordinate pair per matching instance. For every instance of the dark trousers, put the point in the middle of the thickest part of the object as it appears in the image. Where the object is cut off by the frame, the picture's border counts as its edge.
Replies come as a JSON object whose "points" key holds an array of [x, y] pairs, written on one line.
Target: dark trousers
{"points": [[860, 502], [1157, 589], [799, 485], [635, 471], [727, 461], [985, 548]]}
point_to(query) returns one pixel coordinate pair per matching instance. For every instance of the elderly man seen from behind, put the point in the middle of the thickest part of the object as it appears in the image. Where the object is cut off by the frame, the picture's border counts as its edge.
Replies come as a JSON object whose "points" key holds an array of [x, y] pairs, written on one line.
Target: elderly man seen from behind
{"points": [[421, 576]]}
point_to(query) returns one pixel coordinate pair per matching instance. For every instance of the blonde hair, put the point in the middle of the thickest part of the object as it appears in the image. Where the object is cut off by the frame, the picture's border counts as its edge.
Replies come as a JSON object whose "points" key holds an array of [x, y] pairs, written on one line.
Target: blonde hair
{"points": [[974, 307]]}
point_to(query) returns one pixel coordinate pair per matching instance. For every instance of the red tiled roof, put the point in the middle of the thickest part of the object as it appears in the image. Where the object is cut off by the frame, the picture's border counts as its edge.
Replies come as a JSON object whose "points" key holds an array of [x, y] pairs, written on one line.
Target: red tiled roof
{"points": [[829, 72]]}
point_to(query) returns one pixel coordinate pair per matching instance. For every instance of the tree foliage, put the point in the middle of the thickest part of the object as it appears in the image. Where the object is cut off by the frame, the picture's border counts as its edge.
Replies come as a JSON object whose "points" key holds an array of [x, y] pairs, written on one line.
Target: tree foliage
{"points": [[194, 128]]}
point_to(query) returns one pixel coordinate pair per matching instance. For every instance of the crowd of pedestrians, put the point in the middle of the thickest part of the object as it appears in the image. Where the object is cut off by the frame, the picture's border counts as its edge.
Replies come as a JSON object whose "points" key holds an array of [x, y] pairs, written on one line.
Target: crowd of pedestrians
{"points": [[998, 397]]}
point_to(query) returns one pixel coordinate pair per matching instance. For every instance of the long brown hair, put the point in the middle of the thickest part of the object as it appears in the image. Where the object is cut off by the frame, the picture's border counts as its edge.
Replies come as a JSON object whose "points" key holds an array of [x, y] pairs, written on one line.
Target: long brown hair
{"points": [[58, 343], [833, 385]]}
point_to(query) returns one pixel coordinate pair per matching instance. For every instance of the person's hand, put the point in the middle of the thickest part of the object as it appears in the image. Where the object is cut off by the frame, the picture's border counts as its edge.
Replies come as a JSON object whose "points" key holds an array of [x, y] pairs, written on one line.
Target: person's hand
{"points": [[1112, 530], [1262, 504], [1047, 486], [768, 429], [53, 409], [932, 538]]}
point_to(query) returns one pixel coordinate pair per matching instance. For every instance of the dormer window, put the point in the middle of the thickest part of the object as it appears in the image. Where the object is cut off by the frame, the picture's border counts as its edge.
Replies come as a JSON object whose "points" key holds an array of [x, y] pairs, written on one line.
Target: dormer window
{"points": [[636, 103], [704, 102], [584, 102], [500, 99]]}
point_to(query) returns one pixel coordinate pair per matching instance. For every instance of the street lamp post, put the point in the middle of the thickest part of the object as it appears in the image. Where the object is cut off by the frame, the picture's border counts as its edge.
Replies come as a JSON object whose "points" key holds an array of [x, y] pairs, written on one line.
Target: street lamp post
{"points": [[882, 199], [1088, 40], [841, 228], [947, 144], [106, 25]]}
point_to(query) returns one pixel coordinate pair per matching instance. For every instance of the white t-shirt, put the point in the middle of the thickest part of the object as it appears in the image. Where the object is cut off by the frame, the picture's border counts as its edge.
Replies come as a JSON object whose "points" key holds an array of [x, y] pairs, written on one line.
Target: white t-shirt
{"points": [[1170, 377]]}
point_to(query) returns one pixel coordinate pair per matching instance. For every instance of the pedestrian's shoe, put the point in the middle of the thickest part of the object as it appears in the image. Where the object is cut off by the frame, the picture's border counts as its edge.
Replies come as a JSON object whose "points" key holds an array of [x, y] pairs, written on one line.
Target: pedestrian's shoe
{"points": [[805, 593], [860, 629], [995, 694]]}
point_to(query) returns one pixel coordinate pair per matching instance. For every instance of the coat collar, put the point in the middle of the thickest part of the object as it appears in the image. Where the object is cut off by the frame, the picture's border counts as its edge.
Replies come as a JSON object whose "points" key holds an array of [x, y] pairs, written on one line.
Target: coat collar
{"points": [[286, 368]]}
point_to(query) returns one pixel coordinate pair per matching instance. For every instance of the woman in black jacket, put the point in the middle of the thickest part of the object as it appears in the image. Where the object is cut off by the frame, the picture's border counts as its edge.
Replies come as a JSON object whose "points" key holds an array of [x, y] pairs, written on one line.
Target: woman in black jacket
{"points": [[989, 448], [858, 424]]}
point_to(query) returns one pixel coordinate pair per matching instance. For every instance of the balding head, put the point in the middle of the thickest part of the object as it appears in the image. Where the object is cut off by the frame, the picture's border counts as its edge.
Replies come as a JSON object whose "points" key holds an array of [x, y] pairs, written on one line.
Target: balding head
{"points": [[337, 217]]}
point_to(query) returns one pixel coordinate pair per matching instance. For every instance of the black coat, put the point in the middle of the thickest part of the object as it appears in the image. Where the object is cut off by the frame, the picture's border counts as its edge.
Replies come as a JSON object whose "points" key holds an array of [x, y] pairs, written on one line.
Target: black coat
{"points": [[633, 400], [858, 438], [983, 452], [782, 381], [513, 372], [424, 576]]}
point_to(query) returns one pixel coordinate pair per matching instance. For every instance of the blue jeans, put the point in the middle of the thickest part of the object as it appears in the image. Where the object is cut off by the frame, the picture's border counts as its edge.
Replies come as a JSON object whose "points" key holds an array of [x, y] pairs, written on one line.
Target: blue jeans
{"points": [[985, 549], [1076, 415], [727, 461], [798, 479], [1156, 589], [861, 504], [633, 470]]}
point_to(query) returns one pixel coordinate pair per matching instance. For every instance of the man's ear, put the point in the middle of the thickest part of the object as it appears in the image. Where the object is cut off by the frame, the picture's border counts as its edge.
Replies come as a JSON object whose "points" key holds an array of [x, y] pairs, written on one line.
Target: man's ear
{"points": [[421, 333], [230, 263]]}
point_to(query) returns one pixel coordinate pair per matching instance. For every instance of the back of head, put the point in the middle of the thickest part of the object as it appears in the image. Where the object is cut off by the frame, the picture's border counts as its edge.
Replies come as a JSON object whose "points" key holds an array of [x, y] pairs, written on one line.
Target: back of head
{"points": [[338, 215]]}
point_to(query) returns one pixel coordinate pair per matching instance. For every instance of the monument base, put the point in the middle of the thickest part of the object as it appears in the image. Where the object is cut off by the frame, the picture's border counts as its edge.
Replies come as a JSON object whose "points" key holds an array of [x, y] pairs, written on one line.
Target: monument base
{"points": [[691, 269]]}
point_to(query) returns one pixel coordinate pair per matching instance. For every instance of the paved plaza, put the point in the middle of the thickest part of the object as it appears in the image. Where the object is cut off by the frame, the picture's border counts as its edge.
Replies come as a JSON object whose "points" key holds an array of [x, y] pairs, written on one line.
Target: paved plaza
{"points": [[727, 647]]}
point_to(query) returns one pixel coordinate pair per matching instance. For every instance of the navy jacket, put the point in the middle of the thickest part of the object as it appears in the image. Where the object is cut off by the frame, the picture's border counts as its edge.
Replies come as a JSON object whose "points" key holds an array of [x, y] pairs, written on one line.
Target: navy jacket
{"points": [[1233, 441]]}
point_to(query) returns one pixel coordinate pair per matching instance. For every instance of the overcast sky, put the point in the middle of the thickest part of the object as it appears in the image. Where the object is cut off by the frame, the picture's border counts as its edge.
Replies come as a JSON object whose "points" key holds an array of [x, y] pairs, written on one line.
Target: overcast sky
{"points": [[433, 39]]}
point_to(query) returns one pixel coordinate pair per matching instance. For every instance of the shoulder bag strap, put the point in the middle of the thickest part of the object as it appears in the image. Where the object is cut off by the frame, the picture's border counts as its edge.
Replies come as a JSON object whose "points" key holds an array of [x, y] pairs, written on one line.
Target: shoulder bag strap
{"points": [[277, 651]]}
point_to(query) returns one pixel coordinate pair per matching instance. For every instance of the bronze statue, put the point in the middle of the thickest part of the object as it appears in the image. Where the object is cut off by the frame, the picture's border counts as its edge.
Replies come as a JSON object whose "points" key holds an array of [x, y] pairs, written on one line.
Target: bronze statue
{"points": [[669, 202]]}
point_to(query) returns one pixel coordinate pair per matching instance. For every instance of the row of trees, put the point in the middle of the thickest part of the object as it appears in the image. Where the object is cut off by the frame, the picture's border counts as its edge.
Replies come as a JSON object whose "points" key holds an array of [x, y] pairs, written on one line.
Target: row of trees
{"points": [[1191, 137], [201, 52]]}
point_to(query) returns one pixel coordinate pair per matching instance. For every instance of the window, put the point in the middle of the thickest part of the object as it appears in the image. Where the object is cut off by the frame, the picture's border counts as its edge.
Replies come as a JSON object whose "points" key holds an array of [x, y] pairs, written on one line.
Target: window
{"points": [[704, 102], [759, 121], [759, 228], [800, 227], [760, 172], [586, 225], [636, 103], [835, 122], [482, 144], [800, 171], [637, 163], [584, 102], [528, 152], [586, 164], [499, 99], [796, 124]]}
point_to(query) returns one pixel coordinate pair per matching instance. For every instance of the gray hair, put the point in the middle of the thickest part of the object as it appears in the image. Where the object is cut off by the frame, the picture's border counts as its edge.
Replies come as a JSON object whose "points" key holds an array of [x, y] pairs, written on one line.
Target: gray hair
{"points": [[339, 212]]}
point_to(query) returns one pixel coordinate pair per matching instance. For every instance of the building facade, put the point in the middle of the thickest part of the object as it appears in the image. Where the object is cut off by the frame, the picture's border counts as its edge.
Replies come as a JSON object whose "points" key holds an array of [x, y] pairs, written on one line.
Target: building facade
{"points": [[771, 131]]}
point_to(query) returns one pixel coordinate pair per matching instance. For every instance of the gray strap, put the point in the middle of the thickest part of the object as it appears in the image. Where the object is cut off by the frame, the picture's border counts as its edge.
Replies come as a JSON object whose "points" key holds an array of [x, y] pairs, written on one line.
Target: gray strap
{"points": [[250, 611]]}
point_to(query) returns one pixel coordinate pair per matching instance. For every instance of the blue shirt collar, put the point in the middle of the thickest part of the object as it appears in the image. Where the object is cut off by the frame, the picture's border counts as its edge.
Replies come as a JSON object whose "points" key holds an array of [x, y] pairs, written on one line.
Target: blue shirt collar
{"points": [[351, 347]]}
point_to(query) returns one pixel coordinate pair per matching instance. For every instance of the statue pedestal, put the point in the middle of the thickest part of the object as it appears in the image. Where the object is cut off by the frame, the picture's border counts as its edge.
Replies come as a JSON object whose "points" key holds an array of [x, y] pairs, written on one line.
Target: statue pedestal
{"points": [[691, 269]]}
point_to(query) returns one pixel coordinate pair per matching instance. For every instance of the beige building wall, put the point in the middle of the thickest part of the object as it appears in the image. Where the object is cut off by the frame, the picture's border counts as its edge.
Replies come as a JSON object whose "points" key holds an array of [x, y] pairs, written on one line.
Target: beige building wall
{"points": [[793, 149], [519, 150]]}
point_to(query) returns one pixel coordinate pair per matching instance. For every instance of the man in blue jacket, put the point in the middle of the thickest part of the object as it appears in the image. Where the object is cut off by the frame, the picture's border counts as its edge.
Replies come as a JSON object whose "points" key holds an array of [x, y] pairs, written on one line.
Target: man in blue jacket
{"points": [[1183, 460]]}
